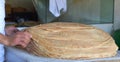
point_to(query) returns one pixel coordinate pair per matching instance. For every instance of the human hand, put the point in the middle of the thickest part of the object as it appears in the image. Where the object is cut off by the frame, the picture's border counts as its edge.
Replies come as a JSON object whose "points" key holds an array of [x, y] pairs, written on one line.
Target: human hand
{"points": [[19, 38], [10, 30]]}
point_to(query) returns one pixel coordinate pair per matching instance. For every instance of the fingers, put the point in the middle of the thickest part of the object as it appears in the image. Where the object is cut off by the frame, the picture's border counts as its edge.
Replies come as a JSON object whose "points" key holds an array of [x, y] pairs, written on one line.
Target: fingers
{"points": [[22, 38], [23, 44], [24, 41], [11, 30], [25, 38]]}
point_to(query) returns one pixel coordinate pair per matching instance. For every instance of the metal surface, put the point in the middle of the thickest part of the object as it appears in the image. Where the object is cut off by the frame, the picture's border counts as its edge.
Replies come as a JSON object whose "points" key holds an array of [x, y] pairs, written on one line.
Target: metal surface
{"points": [[31, 58]]}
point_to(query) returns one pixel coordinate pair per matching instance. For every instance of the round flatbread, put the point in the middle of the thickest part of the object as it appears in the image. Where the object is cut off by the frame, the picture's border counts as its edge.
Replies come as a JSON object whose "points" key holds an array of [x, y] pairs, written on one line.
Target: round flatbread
{"points": [[67, 40]]}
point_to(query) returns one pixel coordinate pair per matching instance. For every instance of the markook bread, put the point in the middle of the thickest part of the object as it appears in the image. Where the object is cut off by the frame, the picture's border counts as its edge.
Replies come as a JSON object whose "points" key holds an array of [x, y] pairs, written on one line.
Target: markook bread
{"points": [[70, 41]]}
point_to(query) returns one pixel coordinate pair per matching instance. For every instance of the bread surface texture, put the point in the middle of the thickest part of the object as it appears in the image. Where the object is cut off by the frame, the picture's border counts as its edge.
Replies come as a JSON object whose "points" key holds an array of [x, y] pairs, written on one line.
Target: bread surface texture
{"points": [[66, 40]]}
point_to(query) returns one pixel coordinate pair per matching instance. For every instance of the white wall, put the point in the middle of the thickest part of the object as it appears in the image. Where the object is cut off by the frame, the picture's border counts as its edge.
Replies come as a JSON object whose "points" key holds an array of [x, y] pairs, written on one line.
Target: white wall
{"points": [[22, 3], [117, 15]]}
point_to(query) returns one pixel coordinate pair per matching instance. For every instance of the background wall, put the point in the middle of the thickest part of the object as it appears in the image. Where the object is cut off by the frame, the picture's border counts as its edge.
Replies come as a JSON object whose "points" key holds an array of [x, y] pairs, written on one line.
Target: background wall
{"points": [[82, 11], [21, 3], [89, 11], [117, 15]]}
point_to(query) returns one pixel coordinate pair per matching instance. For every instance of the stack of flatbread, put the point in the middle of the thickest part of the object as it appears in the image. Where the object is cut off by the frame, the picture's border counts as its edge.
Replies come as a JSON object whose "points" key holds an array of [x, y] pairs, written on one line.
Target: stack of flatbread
{"points": [[67, 40]]}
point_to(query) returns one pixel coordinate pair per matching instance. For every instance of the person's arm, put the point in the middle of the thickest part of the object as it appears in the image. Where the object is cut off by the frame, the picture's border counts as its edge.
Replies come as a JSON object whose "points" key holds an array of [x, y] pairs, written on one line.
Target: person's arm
{"points": [[3, 40]]}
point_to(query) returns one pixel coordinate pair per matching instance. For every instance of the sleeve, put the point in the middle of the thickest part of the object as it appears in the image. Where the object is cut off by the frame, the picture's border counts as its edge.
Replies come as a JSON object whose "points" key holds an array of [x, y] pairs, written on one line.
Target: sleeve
{"points": [[2, 16], [2, 24]]}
